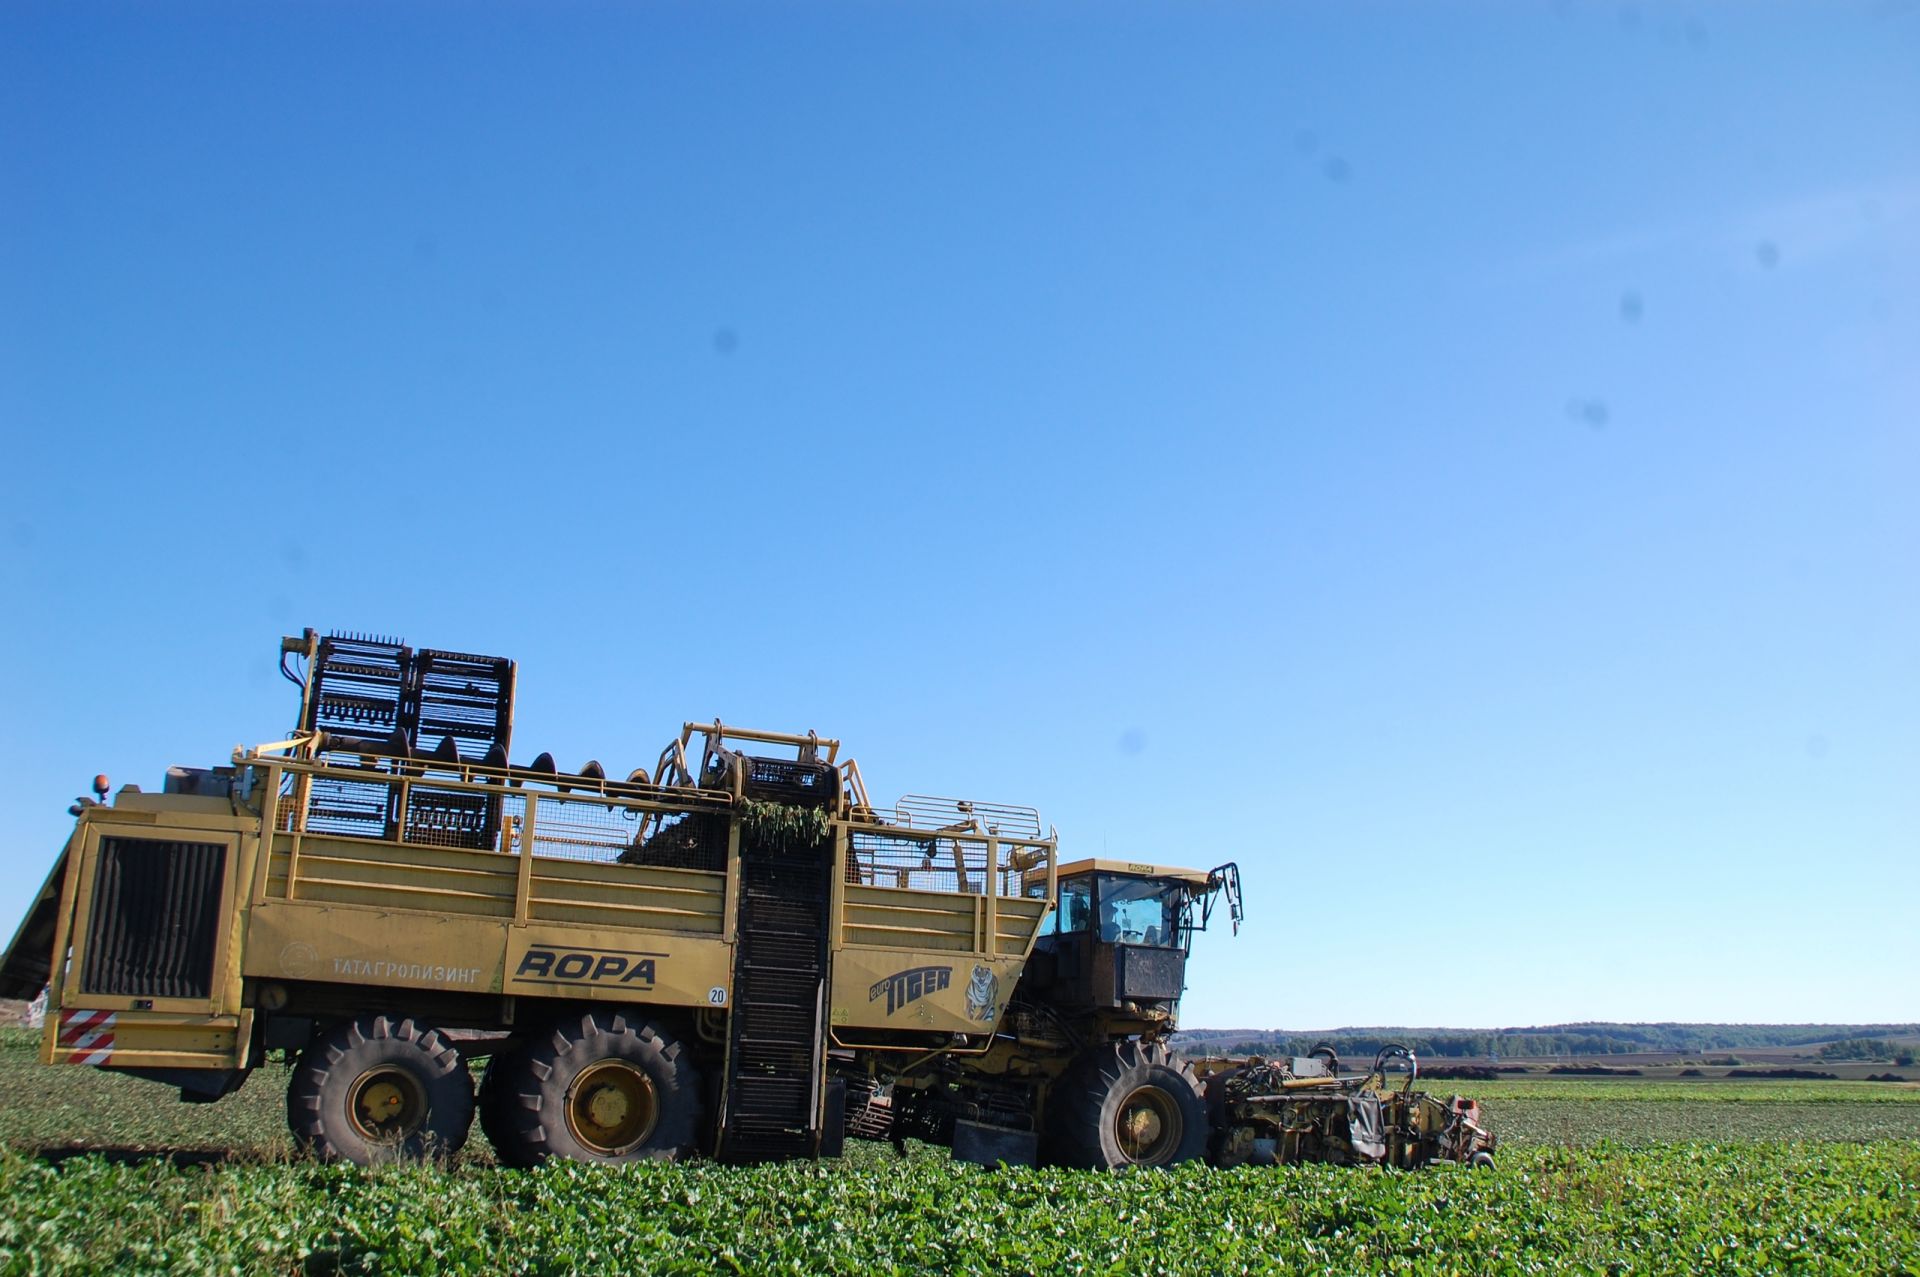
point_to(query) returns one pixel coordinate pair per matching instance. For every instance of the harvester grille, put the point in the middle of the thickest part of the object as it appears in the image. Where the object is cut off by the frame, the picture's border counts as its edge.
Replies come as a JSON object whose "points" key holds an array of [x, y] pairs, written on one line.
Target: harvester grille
{"points": [[152, 927]]}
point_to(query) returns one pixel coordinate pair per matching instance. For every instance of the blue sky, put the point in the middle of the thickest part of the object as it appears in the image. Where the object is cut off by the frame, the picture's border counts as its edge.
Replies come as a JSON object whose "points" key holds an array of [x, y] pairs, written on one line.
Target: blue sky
{"points": [[1457, 461]]}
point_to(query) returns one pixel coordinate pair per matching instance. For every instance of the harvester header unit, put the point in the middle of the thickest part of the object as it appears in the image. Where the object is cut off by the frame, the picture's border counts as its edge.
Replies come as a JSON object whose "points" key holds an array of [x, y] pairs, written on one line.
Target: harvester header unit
{"points": [[735, 953]]}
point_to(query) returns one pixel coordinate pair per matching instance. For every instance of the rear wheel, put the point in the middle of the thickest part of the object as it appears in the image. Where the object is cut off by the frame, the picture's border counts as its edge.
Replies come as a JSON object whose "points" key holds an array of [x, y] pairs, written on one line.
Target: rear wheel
{"points": [[599, 1088], [1128, 1104], [380, 1089]]}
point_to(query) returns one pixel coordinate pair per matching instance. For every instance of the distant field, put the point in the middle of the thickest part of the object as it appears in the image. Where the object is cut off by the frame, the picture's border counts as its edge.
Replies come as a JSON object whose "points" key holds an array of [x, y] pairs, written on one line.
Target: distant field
{"points": [[1594, 1175], [1692, 1091], [1528, 1123]]}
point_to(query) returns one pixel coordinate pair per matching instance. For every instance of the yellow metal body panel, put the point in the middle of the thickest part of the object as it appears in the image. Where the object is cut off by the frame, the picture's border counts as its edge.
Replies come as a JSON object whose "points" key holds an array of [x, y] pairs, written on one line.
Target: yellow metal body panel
{"points": [[456, 881], [362, 945], [907, 920], [574, 962], [930, 960], [391, 948], [926, 991], [150, 1039]]}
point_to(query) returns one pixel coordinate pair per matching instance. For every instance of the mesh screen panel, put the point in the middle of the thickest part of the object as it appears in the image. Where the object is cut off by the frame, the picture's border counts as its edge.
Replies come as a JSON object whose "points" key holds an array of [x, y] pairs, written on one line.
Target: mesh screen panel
{"points": [[925, 863], [154, 919]]}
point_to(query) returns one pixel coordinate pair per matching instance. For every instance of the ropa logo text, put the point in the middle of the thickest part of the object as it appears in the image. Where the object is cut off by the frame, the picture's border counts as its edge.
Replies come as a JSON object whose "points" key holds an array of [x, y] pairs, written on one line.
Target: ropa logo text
{"points": [[586, 966], [910, 985]]}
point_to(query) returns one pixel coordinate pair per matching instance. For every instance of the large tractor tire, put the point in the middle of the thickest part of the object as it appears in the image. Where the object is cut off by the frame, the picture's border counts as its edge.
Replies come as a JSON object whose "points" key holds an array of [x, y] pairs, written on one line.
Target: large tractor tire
{"points": [[598, 1087], [380, 1089], [1127, 1104]]}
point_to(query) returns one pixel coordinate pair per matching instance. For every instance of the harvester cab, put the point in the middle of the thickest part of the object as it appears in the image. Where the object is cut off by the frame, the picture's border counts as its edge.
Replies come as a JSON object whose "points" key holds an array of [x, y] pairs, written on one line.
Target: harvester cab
{"points": [[1121, 933]]}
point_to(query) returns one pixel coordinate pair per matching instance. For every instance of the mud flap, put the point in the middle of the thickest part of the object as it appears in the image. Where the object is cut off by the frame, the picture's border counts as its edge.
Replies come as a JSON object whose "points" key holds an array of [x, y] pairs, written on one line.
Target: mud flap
{"points": [[833, 1119], [1365, 1128], [990, 1145]]}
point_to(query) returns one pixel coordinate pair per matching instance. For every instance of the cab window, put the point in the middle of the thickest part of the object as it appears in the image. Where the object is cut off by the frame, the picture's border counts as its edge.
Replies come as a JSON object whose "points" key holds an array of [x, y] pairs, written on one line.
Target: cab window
{"points": [[1137, 910], [1076, 906]]}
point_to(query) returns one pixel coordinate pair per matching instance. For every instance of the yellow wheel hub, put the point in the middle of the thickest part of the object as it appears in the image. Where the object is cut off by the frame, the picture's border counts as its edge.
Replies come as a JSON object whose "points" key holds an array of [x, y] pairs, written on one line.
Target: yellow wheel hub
{"points": [[387, 1104], [1148, 1126], [611, 1107]]}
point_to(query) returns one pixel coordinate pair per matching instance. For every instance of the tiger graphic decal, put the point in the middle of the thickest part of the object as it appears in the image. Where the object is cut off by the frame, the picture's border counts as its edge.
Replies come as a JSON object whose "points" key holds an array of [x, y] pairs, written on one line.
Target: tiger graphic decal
{"points": [[983, 994]]}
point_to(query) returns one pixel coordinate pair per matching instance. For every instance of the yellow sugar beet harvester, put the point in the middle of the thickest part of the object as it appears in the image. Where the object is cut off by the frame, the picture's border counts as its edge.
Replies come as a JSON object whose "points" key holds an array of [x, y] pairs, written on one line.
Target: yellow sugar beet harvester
{"points": [[736, 953]]}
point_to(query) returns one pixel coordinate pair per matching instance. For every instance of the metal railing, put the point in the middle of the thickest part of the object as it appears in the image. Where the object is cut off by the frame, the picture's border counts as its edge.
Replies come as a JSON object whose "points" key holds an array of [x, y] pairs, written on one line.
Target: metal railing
{"points": [[466, 838], [488, 829]]}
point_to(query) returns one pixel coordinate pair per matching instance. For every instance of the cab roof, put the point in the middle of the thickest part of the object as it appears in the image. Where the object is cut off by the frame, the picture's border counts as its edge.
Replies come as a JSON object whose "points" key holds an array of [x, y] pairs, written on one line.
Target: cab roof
{"points": [[1192, 877]]}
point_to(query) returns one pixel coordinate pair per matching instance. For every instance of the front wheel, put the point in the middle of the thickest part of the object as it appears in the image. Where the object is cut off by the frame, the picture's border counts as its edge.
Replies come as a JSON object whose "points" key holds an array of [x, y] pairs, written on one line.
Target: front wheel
{"points": [[380, 1089], [1128, 1104], [597, 1088]]}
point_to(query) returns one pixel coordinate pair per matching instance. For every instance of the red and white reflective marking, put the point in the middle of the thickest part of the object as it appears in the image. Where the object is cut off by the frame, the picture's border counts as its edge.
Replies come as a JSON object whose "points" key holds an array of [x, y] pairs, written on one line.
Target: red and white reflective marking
{"points": [[88, 1034]]}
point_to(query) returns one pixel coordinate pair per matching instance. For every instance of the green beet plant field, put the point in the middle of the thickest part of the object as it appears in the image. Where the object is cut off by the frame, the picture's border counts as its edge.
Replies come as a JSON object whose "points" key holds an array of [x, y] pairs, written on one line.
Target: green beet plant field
{"points": [[1680, 1208], [99, 1173]]}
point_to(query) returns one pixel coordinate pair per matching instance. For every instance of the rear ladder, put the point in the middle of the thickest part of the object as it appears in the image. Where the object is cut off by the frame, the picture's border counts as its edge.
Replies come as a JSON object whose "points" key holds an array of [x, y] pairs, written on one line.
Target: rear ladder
{"points": [[777, 1043]]}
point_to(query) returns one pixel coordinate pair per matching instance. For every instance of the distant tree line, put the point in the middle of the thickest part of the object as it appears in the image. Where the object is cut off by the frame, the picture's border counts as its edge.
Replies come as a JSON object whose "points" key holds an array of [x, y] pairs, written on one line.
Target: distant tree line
{"points": [[1867, 1049], [1584, 1039]]}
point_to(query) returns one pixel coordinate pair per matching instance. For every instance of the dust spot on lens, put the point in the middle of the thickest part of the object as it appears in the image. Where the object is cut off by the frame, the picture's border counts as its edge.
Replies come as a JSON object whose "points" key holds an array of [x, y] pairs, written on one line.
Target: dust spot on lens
{"points": [[1132, 741], [1632, 306], [725, 341], [1590, 411], [1767, 253], [1817, 746], [1336, 169]]}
